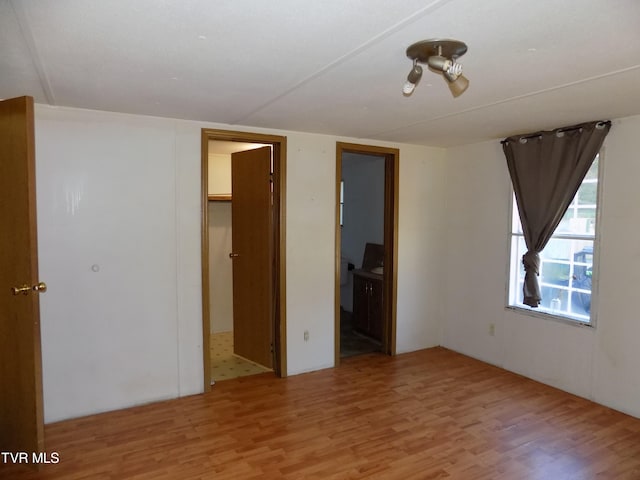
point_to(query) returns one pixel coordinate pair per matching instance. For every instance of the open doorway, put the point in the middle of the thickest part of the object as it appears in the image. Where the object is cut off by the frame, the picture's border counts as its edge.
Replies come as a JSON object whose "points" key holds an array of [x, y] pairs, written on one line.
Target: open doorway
{"points": [[366, 259], [243, 289]]}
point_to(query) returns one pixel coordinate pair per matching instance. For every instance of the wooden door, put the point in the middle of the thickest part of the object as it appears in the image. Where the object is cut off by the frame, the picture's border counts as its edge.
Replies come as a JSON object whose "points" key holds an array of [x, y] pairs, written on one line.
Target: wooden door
{"points": [[251, 225], [21, 412]]}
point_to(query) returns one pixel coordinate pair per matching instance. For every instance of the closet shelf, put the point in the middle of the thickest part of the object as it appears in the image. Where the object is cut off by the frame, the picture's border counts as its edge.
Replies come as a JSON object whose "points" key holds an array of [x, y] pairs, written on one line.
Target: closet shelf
{"points": [[220, 198]]}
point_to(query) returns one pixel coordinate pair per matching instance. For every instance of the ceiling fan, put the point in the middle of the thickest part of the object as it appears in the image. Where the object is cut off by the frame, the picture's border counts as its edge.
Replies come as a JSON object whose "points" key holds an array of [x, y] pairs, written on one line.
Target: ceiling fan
{"points": [[440, 55]]}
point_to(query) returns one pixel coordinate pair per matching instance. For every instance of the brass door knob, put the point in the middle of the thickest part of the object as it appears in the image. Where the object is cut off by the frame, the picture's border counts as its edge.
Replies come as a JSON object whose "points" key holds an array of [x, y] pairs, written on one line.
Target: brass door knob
{"points": [[24, 289], [232, 255]]}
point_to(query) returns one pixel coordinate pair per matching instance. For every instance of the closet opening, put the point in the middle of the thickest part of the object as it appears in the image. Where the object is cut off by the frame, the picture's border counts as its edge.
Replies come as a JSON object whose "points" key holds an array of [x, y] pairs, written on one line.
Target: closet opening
{"points": [[243, 261]]}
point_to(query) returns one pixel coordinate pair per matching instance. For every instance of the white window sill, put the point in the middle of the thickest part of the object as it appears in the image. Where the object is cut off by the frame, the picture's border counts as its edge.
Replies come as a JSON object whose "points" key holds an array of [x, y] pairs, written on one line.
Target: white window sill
{"points": [[543, 313]]}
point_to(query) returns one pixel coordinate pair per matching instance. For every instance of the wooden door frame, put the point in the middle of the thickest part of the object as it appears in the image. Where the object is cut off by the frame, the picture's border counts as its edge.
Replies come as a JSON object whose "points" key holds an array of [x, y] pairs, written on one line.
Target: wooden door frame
{"points": [[390, 279], [279, 145]]}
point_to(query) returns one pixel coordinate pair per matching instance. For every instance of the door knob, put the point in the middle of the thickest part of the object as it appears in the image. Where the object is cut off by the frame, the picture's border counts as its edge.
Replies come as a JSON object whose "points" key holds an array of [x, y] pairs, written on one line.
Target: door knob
{"points": [[24, 289], [231, 255]]}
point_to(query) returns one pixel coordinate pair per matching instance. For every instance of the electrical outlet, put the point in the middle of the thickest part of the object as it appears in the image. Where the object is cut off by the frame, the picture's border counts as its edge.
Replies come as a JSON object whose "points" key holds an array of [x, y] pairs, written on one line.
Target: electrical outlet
{"points": [[306, 335], [492, 329]]}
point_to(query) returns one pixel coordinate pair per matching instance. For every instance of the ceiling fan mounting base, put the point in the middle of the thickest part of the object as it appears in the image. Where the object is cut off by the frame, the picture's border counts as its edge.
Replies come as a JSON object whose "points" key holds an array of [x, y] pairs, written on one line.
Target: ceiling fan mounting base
{"points": [[421, 51]]}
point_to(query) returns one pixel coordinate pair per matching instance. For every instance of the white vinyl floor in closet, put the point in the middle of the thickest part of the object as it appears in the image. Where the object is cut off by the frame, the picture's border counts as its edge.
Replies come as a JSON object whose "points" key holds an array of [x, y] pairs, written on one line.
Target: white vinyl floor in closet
{"points": [[225, 364]]}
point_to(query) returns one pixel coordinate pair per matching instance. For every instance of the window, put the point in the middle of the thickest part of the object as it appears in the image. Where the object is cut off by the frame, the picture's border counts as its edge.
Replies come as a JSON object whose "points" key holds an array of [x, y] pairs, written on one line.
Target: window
{"points": [[567, 262]]}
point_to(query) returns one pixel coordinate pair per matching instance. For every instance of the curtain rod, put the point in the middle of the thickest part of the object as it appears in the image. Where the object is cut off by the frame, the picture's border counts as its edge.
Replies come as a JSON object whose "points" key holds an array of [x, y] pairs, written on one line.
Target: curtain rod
{"points": [[599, 124]]}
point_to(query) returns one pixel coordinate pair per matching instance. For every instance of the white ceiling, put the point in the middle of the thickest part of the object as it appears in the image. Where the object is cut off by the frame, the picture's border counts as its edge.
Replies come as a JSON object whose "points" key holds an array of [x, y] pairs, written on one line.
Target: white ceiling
{"points": [[331, 66]]}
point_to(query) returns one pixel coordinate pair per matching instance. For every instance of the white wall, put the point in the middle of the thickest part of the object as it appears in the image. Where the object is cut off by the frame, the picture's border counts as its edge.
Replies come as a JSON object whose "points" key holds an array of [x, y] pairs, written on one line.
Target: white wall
{"points": [[122, 192], [220, 267], [118, 244], [600, 363], [363, 215], [220, 244], [421, 243], [616, 376], [219, 181]]}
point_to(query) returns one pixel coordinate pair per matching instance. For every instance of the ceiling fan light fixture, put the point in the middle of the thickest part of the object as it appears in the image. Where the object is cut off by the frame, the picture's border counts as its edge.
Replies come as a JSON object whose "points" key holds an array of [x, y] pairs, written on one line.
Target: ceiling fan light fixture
{"points": [[408, 88], [440, 56], [412, 79], [458, 84]]}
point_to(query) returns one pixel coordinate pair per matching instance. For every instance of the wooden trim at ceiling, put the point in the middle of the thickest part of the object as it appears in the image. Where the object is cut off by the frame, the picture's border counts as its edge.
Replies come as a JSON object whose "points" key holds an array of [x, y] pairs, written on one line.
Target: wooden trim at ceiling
{"points": [[236, 136]]}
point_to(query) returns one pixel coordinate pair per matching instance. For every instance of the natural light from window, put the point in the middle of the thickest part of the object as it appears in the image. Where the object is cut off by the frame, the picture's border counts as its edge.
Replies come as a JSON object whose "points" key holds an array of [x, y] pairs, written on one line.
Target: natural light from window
{"points": [[567, 262]]}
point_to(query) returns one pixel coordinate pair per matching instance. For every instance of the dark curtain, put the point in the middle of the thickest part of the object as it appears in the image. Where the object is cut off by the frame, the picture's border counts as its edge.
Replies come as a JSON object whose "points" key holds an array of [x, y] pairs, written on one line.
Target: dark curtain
{"points": [[546, 170]]}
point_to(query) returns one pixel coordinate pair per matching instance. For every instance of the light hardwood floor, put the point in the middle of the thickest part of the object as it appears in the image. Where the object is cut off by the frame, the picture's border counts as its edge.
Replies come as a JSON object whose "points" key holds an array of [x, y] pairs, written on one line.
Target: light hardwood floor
{"points": [[424, 415]]}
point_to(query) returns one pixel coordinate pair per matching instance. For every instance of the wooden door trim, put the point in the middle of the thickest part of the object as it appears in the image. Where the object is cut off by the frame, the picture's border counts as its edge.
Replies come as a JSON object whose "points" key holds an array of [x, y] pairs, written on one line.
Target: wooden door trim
{"points": [[390, 283], [279, 144]]}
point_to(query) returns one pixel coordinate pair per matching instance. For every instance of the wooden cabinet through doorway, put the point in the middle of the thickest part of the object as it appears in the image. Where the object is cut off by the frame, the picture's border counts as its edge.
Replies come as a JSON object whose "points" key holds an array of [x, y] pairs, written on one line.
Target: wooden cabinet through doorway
{"points": [[367, 303]]}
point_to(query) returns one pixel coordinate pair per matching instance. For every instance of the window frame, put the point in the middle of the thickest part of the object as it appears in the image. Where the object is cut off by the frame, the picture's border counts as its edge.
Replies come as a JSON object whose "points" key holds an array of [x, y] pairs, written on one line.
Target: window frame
{"points": [[546, 314]]}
